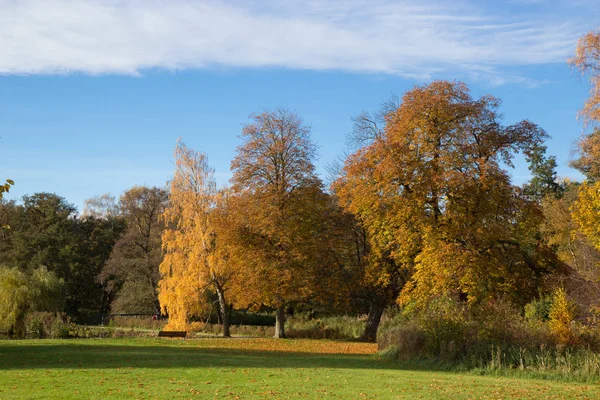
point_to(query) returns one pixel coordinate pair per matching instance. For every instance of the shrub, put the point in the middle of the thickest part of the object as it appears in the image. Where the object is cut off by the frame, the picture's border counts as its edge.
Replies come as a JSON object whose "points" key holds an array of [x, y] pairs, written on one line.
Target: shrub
{"points": [[60, 328], [539, 309], [202, 328], [137, 322], [241, 317], [562, 315], [299, 326], [38, 324], [403, 341], [495, 337], [446, 325], [335, 327], [447, 330]]}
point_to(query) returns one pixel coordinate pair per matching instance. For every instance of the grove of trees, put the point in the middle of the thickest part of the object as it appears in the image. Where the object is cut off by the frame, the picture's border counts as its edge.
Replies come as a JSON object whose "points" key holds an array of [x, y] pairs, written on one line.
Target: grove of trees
{"points": [[423, 209]]}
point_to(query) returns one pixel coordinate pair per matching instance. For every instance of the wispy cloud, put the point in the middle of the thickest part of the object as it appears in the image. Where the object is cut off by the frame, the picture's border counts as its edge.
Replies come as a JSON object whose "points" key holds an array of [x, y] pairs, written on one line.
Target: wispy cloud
{"points": [[407, 38]]}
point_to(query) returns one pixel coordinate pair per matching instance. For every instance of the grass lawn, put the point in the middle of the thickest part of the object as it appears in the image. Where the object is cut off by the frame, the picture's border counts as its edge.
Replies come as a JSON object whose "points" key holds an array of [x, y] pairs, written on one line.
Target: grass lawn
{"points": [[241, 368]]}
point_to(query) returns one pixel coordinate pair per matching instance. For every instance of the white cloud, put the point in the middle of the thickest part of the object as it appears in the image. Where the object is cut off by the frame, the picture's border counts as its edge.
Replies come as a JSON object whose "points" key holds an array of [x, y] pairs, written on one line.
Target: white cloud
{"points": [[406, 38]]}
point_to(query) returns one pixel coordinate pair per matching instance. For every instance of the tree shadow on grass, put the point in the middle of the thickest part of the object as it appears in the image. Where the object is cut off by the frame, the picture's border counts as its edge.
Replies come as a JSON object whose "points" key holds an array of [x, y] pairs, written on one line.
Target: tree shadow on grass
{"points": [[78, 355], [84, 356]]}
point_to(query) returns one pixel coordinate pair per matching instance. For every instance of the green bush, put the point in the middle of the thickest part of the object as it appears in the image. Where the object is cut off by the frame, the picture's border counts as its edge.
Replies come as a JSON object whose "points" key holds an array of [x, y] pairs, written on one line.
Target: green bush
{"points": [[37, 324], [242, 317], [335, 327], [60, 328], [137, 322], [539, 309], [40, 325]]}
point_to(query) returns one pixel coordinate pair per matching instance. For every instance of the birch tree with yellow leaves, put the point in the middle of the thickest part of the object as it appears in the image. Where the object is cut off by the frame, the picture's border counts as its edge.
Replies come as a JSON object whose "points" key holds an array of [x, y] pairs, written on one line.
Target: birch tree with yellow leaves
{"points": [[195, 259]]}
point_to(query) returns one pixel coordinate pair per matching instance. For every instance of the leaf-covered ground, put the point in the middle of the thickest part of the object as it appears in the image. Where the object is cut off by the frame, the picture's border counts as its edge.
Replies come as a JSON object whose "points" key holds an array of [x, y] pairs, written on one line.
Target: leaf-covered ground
{"points": [[241, 368]]}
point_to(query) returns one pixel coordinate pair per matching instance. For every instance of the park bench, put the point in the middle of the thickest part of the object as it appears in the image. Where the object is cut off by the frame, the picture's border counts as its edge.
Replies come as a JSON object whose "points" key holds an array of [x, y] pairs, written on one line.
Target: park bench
{"points": [[173, 334]]}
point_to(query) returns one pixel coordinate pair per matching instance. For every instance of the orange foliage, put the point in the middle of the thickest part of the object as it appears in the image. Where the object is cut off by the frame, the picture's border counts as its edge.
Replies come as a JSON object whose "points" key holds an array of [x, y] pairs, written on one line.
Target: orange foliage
{"points": [[195, 258], [587, 61], [278, 202], [588, 151], [292, 346], [433, 196]]}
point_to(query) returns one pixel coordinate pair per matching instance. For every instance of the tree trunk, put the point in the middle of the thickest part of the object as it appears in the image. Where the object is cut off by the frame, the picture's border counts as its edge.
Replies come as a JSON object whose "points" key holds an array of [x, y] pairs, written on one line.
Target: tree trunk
{"points": [[375, 311], [223, 310], [280, 323]]}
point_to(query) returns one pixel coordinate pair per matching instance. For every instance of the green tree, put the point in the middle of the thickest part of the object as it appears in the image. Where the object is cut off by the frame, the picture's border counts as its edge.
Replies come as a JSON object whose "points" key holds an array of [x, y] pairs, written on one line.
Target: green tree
{"points": [[544, 181], [47, 232], [22, 293]]}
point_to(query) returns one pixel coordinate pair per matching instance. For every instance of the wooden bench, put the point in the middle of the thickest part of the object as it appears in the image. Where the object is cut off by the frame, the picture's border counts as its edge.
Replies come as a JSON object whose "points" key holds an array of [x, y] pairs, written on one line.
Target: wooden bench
{"points": [[173, 334]]}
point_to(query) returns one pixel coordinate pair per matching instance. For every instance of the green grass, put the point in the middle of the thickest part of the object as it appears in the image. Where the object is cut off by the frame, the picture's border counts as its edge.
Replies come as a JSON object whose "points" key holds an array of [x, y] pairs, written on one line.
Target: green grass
{"points": [[241, 368]]}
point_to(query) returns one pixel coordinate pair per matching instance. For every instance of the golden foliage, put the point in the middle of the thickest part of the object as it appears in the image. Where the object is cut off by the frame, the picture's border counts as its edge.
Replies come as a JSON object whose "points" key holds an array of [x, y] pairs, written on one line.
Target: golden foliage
{"points": [[586, 212], [588, 151], [587, 61], [5, 187], [276, 200], [562, 314], [193, 260], [432, 195]]}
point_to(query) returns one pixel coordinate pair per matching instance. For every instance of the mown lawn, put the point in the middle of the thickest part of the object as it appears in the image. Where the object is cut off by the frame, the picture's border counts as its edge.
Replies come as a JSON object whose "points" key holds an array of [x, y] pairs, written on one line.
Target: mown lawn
{"points": [[241, 368]]}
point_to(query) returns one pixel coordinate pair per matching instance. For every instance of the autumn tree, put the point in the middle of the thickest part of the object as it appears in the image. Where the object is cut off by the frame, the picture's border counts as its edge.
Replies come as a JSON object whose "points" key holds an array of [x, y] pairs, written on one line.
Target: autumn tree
{"points": [[587, 61], [369, 278], [562, 233], [434, 199], [275, 184], [131, 273], [5, 187], [371, 275], [583, 234], [102, 206], [195, 258]]}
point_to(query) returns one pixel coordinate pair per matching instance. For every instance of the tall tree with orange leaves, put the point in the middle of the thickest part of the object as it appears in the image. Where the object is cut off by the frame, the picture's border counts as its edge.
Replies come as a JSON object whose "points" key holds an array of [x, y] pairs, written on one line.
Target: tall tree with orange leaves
{"points": [[278, 196], [195, 258], [434, 199], [587, 207]]}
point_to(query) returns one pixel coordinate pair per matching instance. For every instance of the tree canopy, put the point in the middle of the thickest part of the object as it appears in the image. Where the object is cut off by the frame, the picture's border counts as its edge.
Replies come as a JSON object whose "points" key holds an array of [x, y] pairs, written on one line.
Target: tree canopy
{"points": [[275, 183], [434, 198]]}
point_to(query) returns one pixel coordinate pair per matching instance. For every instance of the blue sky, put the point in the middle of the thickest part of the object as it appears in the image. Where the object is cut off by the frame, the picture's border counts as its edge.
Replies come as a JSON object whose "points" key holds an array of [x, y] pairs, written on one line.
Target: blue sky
{"points": [[93, 95]]}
